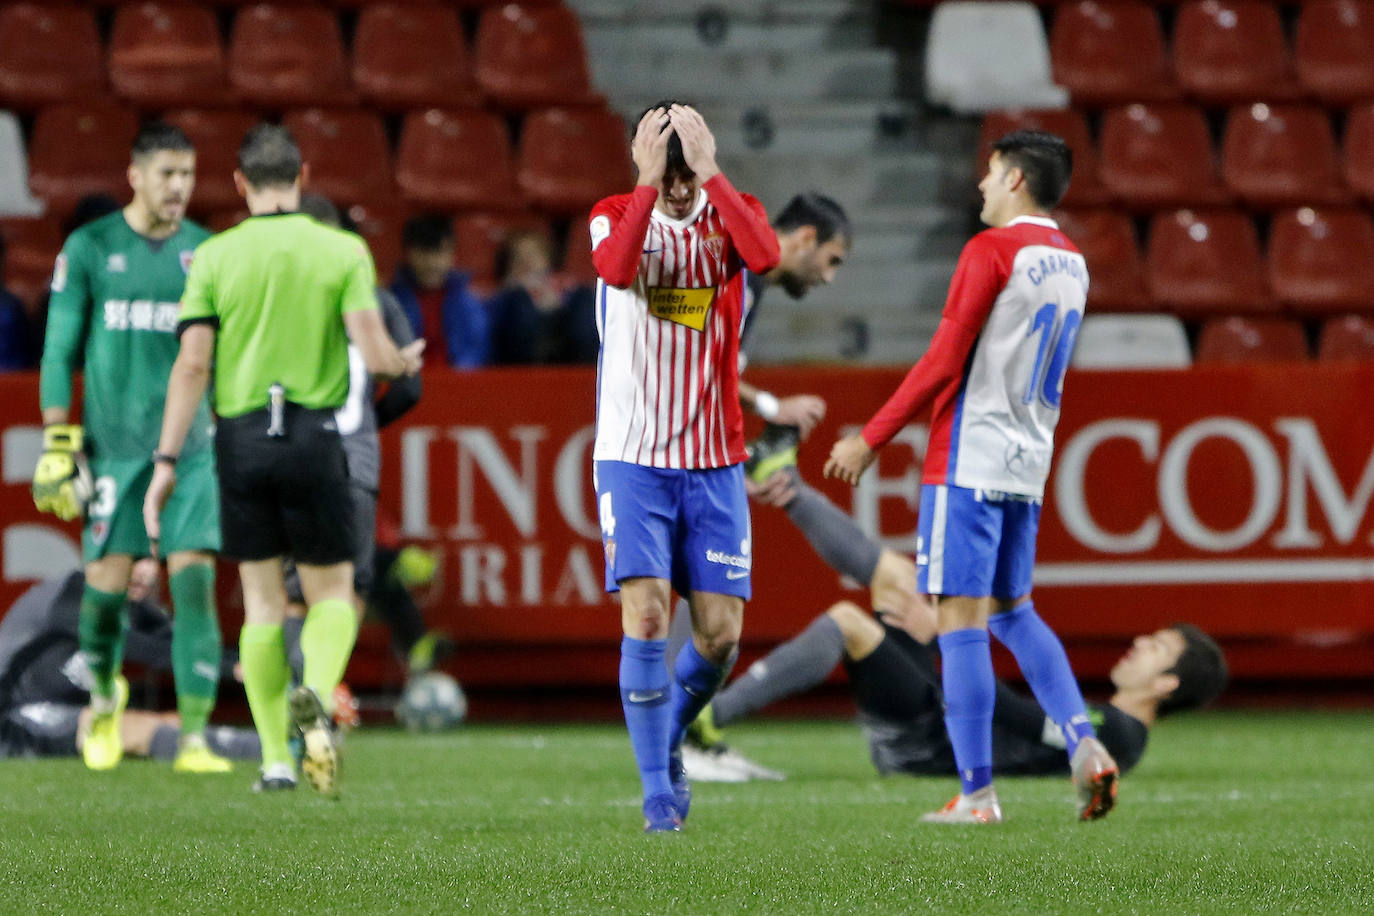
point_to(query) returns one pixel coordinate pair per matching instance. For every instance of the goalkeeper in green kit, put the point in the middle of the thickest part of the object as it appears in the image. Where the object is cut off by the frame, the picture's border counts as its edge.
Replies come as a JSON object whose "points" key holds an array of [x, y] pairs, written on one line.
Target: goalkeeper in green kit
{"points": [[116, 291]]}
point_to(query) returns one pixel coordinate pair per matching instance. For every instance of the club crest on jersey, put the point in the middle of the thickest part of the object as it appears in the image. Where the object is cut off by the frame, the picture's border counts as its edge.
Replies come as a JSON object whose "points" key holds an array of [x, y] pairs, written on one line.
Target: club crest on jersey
{"points": [[715, 244], [100, 531], [688, 307], [59, 274], [610, 552], [186, 257], [116, 263]]}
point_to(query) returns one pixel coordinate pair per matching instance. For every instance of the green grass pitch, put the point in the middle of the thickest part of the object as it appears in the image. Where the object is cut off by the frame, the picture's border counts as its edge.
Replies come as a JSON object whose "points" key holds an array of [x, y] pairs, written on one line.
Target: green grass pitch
{"points": [[1230, 812]]}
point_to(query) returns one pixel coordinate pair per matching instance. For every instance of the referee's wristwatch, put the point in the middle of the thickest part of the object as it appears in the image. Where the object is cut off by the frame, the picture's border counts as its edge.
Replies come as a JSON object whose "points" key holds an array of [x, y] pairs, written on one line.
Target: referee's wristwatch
{"points": [[164, 458]]}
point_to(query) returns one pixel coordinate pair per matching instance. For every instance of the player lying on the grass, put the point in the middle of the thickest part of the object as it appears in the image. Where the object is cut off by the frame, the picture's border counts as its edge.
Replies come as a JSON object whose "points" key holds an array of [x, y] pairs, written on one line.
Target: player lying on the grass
{"points": [[894, 679], [45, 680]]}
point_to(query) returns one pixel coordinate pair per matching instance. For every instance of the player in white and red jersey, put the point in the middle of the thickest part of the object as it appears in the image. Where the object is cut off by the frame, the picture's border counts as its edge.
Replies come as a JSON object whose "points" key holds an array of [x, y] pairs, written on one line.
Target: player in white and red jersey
{"points": [[993, 378], [669, 432]]}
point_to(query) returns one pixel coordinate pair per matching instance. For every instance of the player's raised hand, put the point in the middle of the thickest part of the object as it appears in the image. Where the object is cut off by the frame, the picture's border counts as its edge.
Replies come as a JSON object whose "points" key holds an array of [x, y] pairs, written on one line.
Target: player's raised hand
{"points": [[849, 458], [698, 143], [803, 411], [778, 490], [413, 354], [649, 149]]}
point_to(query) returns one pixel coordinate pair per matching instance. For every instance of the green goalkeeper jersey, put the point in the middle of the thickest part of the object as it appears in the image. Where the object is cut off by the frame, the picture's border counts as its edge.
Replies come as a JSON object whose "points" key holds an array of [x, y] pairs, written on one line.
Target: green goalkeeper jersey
{"points": [[115, 300]]}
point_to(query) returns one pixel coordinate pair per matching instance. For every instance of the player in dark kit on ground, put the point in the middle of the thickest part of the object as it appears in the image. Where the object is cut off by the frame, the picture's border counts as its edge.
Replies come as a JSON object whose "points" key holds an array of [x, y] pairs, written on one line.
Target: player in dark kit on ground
{"points": [[269, 309], [115, 289], [45, 680], [893, 677]]}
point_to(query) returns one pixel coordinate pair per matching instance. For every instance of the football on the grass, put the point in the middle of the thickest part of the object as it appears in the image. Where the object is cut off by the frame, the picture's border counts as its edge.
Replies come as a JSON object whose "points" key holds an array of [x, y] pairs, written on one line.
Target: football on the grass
{"points": [[431, 702]]}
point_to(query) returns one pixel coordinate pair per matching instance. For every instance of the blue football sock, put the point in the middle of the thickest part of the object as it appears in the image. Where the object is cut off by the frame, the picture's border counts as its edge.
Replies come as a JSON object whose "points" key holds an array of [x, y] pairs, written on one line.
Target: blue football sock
{"points": [[644, 697], [694, 683], [1046, 668], [970, 692]]}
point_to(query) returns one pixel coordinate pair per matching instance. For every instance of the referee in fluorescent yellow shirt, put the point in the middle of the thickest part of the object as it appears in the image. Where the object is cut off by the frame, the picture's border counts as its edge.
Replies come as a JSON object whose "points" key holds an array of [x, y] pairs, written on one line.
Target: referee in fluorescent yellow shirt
{"points": [[269, 308]]}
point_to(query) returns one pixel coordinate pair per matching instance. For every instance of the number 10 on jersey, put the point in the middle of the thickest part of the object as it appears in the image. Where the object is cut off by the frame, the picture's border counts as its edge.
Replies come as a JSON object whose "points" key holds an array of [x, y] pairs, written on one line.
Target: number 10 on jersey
{"points": [[1056, 340]]}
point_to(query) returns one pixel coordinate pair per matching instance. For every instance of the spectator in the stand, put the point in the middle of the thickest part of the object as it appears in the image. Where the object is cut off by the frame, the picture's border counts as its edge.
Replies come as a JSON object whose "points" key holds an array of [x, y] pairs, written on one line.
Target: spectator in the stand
{"points": [[16, 336], [437, 297], [539, 315]]}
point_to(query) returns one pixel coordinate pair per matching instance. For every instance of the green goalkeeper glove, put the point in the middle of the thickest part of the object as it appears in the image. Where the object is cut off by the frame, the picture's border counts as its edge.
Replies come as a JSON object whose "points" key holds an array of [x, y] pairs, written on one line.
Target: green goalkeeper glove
{"points": [[62, 482]]}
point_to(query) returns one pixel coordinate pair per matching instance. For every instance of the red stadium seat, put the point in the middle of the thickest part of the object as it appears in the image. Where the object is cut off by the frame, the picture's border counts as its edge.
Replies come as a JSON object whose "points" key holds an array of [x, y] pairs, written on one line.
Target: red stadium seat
{"points": [[1232, 51], [1085, 189], [1086, 45], [1206, 262], [530, 57], [216, 135], [80, 149], [49, 53], [1334, 50], [572, 157], [1251, 340], [456, 160], [1358, 159], [1280, 155], [380, 223], [478, 239], [167, 53], [412, 55], [1349, 337], [346, 151], [287, 54], [31, 247], [577, 253], [1108, 243], [1320, 260], [1159, 156]]}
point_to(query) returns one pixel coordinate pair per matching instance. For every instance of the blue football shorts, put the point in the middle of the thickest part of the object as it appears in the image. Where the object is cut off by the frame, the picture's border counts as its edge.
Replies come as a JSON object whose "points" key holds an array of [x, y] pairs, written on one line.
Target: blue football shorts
{"points": [[689, 527], [975, 543]]}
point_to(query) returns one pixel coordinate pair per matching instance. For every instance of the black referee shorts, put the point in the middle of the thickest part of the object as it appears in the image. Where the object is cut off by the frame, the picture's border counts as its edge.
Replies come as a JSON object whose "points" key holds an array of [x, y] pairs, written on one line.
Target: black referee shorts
{"points": [[364, 502], [284, 495]]}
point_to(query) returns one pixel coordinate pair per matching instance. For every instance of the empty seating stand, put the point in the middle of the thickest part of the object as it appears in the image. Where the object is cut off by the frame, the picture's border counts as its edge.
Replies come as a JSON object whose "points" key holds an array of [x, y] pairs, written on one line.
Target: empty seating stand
{"points": [[1086, 50], [981, 56], [1160, 156], [49, 54], [1206, 262], [1251, 340], [412, 55], [165, 54]]}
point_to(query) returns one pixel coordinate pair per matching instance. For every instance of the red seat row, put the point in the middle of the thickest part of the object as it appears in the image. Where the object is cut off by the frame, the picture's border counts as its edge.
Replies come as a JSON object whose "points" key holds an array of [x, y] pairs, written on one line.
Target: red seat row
{"points": [[1160, 155], [1241, 339], [168, 53], [448, 159], [1109, 52], [33, 242], [1200, 262]]}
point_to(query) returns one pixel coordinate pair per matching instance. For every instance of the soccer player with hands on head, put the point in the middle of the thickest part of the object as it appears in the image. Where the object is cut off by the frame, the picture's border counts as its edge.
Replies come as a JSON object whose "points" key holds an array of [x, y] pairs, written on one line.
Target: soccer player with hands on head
{"points": [[993, 379], [115, 290], [670, 258]]}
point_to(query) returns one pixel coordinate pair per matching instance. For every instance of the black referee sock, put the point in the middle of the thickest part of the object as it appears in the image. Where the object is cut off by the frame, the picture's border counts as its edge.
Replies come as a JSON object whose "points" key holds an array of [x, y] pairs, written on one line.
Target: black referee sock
{"points": [[797, 665]]}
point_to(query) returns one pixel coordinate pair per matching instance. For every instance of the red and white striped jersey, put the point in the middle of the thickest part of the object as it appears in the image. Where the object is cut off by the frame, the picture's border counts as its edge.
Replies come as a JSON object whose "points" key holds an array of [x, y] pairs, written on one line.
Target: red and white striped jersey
{"points": [[670, 308]]}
